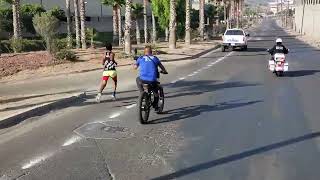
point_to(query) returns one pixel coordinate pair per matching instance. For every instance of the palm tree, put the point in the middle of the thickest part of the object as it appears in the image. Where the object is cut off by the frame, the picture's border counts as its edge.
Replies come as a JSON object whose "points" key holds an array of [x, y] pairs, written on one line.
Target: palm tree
{"points": [[137, 13], [83, 24], [172, 25], [145, 18], [188, 33], [127, 28], [77, 24], [116, 13], [119, 24], [68, 23], [201, 19], [154, 27], [16, 18]]}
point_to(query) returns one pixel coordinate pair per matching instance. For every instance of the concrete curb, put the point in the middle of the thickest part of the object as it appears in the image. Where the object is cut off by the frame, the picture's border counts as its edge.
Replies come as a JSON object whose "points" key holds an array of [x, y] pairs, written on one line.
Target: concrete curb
{"points": [[40, 110]]}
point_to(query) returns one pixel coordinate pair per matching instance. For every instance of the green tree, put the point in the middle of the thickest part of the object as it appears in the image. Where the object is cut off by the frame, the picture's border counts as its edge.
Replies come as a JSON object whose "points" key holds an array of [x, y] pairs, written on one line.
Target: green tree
{"points": [[161, 10], [91, 34], [6, 17], [28, 11], [46, 26], [58, 13], [137, 13]]}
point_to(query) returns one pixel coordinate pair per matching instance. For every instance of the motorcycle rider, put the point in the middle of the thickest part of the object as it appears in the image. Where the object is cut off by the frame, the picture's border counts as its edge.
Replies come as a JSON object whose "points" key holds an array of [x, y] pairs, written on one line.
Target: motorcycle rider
{"points": [[278, 48], [148, 72]]}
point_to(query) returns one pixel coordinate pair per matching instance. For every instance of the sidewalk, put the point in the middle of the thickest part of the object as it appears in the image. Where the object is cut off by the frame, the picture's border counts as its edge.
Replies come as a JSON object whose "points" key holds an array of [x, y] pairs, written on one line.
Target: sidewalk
{"points": [[31, 89], [305, 38]]}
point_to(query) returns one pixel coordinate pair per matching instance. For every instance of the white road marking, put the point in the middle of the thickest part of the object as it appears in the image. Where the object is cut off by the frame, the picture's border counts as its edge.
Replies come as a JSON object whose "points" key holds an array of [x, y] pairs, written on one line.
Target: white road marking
{"points": [[36, 160], [72, 140], [131, 106], [115, 115], [194, 73]]}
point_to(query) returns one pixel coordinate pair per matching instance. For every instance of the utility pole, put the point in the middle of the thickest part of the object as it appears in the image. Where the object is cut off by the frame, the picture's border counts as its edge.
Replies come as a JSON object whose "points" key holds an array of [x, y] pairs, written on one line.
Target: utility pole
{"points": [[277, 7], [302, 19], [288, 12], [237, 13], [281, 11]]}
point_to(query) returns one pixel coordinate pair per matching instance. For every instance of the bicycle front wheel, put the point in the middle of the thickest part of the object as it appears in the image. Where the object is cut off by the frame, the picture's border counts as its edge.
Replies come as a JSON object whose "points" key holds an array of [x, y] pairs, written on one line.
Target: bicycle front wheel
{"points": [[161, 100]]}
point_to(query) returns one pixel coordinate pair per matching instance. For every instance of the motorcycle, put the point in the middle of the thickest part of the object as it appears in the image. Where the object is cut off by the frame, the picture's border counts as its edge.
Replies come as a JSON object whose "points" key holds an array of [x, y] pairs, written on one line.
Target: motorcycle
{"points": [[278, 65]]}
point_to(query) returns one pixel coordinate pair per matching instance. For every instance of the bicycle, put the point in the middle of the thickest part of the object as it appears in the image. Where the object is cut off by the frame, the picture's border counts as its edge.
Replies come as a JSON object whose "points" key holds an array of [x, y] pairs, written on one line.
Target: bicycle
{"points": [[146, 101]]}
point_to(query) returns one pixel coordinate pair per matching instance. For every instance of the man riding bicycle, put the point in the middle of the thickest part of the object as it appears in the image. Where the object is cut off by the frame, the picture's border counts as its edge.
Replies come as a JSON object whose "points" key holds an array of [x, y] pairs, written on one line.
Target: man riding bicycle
{"points": [[148, 72]]}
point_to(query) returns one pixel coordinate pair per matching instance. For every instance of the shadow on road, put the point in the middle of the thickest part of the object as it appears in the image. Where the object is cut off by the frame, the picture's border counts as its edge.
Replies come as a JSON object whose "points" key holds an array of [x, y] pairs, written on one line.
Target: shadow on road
{"points": [[236, 157], [193, 111], [301, 73], [189, 88]]}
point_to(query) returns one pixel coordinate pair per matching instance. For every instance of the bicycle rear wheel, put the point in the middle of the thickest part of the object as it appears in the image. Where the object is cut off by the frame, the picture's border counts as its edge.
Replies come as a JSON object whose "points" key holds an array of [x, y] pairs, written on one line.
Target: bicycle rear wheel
{"points": [[143, 108]]}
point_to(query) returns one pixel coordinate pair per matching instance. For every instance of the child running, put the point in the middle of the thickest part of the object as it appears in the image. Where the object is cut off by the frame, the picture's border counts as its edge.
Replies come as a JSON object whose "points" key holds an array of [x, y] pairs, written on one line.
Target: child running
{"points": [[109, 65]]}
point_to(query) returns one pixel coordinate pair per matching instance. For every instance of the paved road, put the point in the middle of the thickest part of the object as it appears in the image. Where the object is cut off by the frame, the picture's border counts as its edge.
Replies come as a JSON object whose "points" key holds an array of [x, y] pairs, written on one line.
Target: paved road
{"points": [[226, 118]]}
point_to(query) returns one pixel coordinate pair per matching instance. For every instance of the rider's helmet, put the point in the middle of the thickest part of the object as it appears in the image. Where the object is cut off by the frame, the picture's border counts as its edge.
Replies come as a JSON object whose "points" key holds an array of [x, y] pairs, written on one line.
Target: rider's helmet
{"points": [[279, 41]]}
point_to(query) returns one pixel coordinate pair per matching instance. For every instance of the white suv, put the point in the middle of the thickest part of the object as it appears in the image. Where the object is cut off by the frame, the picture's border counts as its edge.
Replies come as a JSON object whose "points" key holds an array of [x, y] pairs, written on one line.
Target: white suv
{"points": [[234, 38]]}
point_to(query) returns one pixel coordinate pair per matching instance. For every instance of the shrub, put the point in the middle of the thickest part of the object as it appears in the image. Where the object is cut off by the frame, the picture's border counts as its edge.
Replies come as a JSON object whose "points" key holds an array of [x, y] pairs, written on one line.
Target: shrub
{"points": [[66, 54], [46, 26], [23, 45]]}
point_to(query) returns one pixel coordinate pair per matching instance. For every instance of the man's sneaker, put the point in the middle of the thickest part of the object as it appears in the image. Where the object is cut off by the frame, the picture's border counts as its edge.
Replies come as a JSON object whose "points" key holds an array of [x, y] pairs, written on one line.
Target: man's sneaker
{"points": [[113, 96], [98, 97]]}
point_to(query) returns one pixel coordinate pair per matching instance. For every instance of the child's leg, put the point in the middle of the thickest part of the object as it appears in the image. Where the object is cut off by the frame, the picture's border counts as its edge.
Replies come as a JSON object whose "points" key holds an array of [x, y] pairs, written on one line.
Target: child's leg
{"points": [[115, 82], [103, 84]]}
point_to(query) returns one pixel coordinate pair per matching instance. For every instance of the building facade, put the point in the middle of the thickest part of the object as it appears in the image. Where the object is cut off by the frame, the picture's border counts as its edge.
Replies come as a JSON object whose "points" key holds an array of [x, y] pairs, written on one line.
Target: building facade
{"points": [[276, 6], [307, 17], [98, 15]]}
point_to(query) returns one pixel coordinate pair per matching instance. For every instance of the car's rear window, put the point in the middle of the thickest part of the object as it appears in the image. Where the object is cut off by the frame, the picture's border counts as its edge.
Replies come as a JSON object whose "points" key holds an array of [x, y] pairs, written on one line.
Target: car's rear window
{"points": [[234, 32]]}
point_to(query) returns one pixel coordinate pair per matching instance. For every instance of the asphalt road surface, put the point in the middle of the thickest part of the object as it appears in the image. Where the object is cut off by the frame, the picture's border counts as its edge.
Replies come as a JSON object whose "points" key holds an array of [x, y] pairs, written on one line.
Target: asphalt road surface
{"points": [[226, 118]]}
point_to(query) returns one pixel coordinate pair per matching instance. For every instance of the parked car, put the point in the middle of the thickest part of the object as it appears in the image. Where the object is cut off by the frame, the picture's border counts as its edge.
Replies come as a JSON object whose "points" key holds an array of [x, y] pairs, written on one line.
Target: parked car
{"points": [[235, 38]]}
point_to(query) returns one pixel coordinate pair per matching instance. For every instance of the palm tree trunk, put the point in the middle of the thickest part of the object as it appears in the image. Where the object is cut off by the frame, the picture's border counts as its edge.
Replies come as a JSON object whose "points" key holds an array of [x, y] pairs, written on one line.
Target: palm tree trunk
{"points": [[138, 36], [225, 11], [115, 23], [68, 24], [154, 29], [172, 25], [76, 21], [145, 18], [166, 34], [127, 28], [201, 19], [83, 24], [188, 33], [16, 19], [119, 25]]}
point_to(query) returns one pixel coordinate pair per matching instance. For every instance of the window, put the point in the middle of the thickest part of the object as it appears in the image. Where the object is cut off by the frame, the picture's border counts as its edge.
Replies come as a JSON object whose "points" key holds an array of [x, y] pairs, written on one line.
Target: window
{"points": [[234, 32]]}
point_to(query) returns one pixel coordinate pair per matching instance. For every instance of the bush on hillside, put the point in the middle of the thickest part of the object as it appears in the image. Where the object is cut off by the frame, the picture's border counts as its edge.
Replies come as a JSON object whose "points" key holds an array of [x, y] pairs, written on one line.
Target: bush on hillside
{"points": [[66, 54]]}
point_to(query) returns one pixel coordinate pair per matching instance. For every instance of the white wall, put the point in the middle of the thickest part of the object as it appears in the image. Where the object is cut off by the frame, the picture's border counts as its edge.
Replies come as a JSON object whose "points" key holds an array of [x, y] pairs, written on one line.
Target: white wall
{"points": [[311, 24]]}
